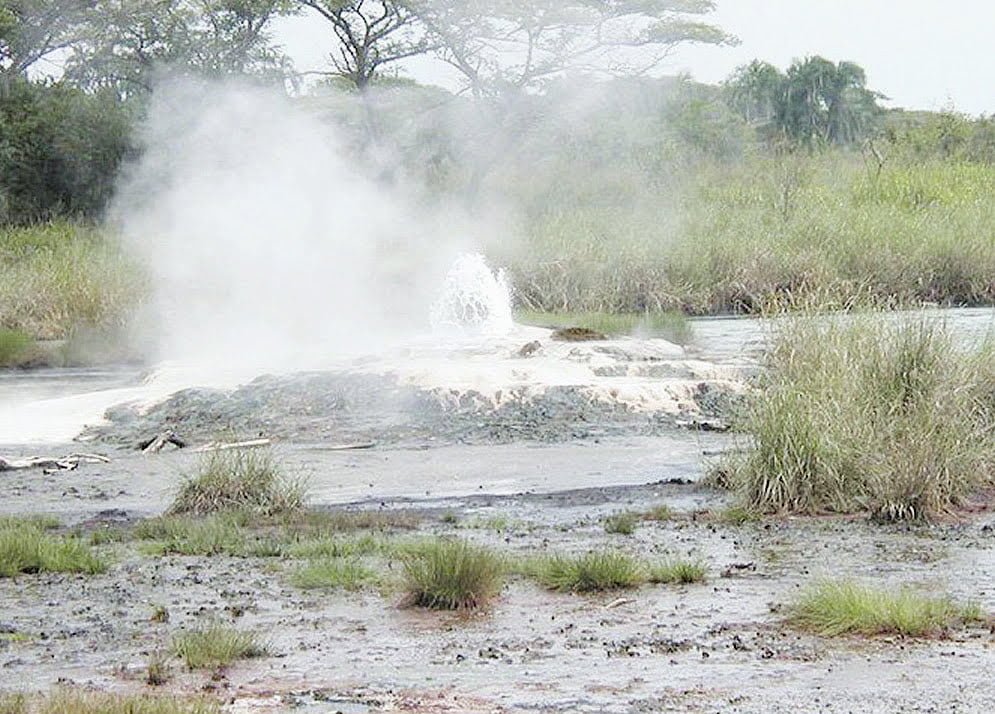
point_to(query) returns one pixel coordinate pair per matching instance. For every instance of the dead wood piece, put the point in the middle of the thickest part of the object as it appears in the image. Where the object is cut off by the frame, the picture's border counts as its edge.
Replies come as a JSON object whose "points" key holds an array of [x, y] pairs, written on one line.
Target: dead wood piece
{"points": [[52, 464], [233, 445], [350, 447], [159, 441]]}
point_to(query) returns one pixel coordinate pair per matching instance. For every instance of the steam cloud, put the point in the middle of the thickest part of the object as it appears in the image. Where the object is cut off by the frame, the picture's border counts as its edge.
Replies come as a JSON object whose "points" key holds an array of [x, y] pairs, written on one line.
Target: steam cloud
{"points": [[266, 247]]}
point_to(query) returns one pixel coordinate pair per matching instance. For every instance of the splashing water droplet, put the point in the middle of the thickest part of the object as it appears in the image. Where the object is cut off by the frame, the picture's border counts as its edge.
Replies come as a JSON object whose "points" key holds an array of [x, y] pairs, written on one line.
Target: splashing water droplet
{"points": [[474, 299]]}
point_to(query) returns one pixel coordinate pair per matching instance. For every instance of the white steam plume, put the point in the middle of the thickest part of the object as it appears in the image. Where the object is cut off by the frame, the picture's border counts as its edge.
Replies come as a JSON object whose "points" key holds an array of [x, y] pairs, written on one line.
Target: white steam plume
{"points": [[266, 247]]}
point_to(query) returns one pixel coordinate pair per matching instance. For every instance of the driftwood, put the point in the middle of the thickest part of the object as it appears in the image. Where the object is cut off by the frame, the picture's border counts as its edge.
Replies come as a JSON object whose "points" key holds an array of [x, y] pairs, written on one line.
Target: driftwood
{"points": [[159, 441], [216, 446], [350, 447], [51, 464]]}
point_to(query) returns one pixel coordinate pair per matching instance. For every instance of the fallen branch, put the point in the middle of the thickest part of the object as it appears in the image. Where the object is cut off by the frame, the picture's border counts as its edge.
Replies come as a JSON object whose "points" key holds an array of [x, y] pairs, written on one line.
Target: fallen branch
{"points": [[52, 463], [159, 441], [233, 445], [349, 447]]}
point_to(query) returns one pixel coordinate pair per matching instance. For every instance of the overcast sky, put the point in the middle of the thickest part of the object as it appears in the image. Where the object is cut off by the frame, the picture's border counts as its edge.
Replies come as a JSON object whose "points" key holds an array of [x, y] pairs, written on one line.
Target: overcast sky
{"points": [[923, 54]]}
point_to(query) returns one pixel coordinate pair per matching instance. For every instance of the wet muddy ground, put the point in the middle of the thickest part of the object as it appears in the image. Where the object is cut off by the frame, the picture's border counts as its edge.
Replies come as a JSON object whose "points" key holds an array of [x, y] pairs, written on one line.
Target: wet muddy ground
{"points": [[719, 646]]}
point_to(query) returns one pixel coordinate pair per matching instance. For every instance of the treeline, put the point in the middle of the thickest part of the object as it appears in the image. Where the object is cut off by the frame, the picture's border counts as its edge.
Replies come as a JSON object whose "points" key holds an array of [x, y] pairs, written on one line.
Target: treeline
{"points": [[76, 75]]}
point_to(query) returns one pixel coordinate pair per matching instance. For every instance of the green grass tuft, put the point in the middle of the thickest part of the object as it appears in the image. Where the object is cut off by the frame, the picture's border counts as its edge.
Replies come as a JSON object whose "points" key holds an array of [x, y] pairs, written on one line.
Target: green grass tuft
{"points": [[452, 575], [216, 646], [682, 572], [27, 548], [239, 480], [839, 608], [600, 570], [334, 574], [623, 523]]}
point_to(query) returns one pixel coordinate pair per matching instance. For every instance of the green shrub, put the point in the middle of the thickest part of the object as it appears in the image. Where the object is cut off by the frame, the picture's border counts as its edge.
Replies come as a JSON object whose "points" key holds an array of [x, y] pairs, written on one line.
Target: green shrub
{"points": [[452, 575]]}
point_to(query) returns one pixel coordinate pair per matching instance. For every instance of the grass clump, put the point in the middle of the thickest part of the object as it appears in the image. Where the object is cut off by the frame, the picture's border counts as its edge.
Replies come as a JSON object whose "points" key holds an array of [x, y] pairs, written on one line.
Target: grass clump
{"points": [[623, 523], [239, 480], [216, 646], [839, 608], [221, 534], [679, 572], [73, 702], [25, 547], [868, 413], [334, 574], [660, 513], [600, 570], [451, 575]]}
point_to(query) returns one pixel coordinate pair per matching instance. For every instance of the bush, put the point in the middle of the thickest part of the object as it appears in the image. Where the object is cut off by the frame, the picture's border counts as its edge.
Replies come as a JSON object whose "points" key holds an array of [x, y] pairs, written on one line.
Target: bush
{"points": [[452, 575], [864, 413]]}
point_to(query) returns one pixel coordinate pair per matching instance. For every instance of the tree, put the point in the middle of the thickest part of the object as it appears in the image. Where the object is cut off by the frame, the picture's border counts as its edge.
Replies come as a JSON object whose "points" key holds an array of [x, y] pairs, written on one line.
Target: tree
{"points": [[518, 44], [372, 35], [130, 41], [754, 91], [33, 30], [497, 45], [815, 102]]}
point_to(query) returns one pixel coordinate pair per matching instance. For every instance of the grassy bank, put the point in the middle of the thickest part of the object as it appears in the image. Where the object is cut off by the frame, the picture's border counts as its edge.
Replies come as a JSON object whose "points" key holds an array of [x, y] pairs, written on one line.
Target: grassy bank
{"points": [[762, 232], [60, 280], [866, 414], [628, 252]]}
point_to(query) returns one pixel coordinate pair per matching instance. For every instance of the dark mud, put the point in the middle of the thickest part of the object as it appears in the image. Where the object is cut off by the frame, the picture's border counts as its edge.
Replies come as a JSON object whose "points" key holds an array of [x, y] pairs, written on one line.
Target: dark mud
{"points": [[344, 407]]}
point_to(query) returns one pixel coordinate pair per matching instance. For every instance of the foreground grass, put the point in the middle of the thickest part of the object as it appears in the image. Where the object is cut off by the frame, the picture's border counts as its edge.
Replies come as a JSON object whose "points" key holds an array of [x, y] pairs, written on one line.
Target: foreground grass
{"points": [[216, 646], [247, 480], [72, 702], [868, 414], [452, 575], [26, 547], [840, 608]]}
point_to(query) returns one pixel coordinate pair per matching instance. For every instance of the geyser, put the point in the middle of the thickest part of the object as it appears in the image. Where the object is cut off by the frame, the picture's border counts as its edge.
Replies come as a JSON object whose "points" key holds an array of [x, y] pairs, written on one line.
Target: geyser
{"points": [[474, 300]]}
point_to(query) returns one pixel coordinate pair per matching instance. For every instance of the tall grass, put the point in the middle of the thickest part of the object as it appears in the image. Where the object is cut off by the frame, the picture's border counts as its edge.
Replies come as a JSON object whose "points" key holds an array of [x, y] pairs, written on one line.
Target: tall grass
{"points": [[57, 277], [867, 413], [765, 231]]}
